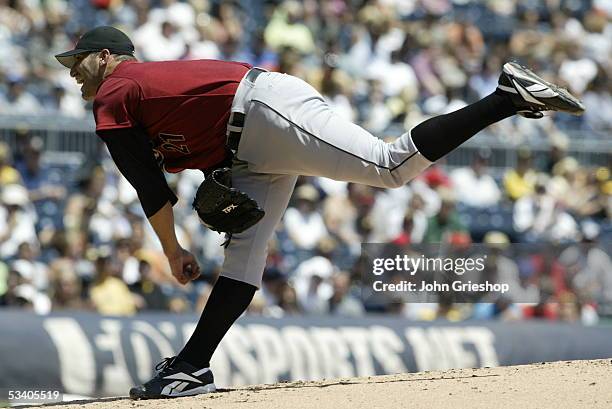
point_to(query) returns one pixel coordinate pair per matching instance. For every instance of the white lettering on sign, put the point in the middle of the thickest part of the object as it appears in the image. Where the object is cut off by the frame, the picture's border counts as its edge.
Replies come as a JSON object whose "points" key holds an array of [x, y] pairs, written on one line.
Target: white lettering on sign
{"points": [[237, 344], [187, 330], [161, 343], [444, 347], [386, 347], [220, 365], [358, 339], [428, 353], [456, 343], [142, 354], [270, 352], [333, 351], [116, 375], [484, 342], [259, 353], [303, 358], [168, 329], [76, 356]]}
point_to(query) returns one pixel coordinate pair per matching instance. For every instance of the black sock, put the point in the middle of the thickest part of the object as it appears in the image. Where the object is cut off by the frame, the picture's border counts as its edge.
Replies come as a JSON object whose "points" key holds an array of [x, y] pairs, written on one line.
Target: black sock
{"points": [[438, 136], [228, 300]]}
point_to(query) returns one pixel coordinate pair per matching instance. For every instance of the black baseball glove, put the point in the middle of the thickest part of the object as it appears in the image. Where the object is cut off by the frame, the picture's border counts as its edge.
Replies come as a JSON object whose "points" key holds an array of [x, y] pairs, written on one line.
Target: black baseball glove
{"points": [[223, 208]]}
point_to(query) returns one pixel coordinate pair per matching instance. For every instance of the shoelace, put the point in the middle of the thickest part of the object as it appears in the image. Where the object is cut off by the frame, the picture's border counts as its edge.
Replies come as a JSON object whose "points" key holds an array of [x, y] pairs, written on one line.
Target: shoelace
{"points": [[165, 364]]}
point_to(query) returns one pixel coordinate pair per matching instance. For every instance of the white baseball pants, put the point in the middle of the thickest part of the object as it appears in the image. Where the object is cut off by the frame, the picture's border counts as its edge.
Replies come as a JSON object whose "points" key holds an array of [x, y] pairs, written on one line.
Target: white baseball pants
{"points": [[289, 131]]}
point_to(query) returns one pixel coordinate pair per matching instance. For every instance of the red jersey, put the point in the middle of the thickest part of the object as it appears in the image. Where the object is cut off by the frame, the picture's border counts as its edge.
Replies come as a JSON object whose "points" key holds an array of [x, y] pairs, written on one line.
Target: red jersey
{"points": [[183, 106]]}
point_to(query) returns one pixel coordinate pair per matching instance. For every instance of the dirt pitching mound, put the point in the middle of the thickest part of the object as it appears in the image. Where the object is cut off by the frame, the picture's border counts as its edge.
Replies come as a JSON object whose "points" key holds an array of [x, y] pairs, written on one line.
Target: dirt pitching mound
{"points": [[571, 384]]}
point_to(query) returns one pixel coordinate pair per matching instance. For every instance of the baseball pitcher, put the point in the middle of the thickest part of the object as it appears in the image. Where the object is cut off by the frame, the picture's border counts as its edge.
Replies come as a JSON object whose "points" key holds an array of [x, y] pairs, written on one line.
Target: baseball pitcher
{"points": [[252, 133]]}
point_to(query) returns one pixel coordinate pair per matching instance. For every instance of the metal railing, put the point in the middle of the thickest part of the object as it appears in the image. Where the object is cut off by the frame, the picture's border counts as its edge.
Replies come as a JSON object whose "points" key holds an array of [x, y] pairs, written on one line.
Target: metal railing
{"points": [[588, 152], [59, 134], [72, 135]]}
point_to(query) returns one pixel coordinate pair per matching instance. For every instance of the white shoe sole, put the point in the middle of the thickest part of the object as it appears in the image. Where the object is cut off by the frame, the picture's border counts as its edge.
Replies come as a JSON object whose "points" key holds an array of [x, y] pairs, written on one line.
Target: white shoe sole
{"points": [[200, 390]]}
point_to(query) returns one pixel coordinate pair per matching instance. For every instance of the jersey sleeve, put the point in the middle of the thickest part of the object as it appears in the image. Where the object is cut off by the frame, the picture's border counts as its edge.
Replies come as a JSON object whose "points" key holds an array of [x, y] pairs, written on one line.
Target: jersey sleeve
{"points": [[116, 103], [133, 156]]}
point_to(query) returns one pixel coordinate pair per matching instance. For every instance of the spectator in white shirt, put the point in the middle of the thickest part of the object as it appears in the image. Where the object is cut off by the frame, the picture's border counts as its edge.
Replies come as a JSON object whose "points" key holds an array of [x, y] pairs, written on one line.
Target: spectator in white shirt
{"points": [[577, 71], [395, 75], [28, 266], [474, 186], [312, 281], [17, 220], [303, 222], [18, 101], [539, 217], [65, 104], [335, 86], [159, 42]]}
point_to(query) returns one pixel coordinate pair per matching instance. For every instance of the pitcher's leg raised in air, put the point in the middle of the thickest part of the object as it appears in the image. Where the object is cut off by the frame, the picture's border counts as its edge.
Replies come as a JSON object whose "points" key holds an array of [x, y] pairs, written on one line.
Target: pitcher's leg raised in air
{"points": [[290, 129]]}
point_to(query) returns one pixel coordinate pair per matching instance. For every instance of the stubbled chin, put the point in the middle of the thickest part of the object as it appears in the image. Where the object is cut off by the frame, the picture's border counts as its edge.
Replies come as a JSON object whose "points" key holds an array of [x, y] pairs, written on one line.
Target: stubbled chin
{"points": [[85, 96]]}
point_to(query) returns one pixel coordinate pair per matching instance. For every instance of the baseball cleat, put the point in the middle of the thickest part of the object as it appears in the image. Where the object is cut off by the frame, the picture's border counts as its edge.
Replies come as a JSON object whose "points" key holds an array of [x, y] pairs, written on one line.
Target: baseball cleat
{"points": [[531, 94], [175, 378]]}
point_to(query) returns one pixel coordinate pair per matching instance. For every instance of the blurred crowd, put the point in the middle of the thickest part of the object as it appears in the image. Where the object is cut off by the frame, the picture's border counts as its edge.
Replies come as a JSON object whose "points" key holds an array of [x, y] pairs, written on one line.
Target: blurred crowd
{"points": [[377, 62], [78, 239], [86, 244]]}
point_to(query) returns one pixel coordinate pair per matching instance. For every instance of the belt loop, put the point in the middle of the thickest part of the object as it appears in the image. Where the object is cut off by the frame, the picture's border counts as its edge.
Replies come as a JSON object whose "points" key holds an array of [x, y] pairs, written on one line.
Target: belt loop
{"points": [[254, 73], [235, 124]]}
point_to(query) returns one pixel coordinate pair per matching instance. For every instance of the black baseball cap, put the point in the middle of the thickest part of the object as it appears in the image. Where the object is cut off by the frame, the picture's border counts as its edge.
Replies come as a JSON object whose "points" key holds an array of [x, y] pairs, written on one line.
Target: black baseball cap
{"points": [[96, 40]]}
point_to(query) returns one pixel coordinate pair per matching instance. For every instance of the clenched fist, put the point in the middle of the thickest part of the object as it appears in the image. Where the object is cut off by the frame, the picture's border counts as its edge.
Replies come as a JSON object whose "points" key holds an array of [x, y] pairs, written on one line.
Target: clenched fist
{"points": [[183, 265]]}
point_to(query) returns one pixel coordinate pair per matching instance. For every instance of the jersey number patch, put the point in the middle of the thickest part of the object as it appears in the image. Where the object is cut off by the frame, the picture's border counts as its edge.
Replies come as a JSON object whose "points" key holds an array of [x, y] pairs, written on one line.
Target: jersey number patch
{"points": [[170, 142]]}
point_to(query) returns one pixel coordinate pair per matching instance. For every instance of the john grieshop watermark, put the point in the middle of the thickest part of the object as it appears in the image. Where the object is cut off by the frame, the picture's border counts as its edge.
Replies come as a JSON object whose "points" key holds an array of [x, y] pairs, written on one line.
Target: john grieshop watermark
{"points": [[426, 273]]}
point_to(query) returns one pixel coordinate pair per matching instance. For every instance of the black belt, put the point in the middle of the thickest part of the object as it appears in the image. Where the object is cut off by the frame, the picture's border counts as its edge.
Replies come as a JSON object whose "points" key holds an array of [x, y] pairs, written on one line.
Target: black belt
{"points": [[236, 121]]}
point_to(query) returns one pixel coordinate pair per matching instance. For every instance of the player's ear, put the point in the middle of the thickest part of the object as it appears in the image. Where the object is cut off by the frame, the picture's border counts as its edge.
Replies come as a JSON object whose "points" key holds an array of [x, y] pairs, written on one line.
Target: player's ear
{"points": [[104, 56]]}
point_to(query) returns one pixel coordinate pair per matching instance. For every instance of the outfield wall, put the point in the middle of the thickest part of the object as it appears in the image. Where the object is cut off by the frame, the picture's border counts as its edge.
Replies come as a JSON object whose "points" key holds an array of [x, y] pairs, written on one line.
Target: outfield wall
{"points": [[86, 354]]}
